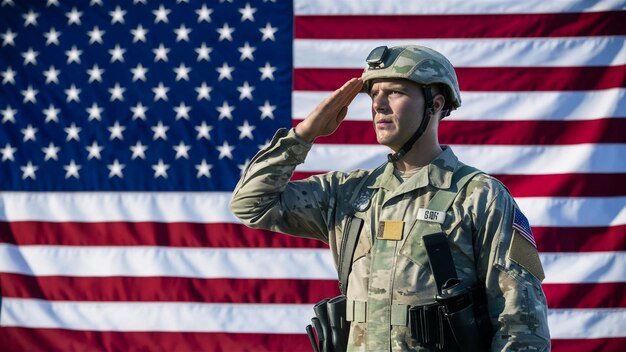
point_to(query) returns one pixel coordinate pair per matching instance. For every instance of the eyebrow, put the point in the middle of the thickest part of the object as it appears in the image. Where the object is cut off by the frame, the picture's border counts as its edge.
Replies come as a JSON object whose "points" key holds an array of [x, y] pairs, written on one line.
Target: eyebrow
{"points": [[392, 85]]}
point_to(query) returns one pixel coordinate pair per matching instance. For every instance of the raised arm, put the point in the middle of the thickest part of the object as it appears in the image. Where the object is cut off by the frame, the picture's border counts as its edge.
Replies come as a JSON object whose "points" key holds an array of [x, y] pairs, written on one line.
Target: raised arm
{"points": [[264, 197]]}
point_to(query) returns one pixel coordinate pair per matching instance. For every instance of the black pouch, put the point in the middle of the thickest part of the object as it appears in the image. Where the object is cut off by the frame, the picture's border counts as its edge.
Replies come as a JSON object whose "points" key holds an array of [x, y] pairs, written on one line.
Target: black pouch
{"points": [[330, 328], [425, 324], [339, 325], [323, 329]]}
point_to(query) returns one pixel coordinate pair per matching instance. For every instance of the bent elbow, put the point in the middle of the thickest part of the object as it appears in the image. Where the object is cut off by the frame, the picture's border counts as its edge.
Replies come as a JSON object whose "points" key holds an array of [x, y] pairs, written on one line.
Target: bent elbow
{"points": [[247, 210], [239, 208]]}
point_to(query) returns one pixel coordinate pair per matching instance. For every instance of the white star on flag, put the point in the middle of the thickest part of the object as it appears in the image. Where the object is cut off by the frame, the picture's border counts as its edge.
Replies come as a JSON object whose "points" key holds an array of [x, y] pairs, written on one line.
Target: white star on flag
{"points": [[204, 14], [160, 131], [7, 152], [116, 131], [203, 131], [71, 170], [29, 133], [138, 150], [204, 169], [245, 130], [182, 150], [115, 169], [51, 152], [161, 14], [226, 111], [226, 150], [160, 169], [95, 73], [94, 150], [28, 171], [204, 92], [52, 75], [72, 132], [95, 35], [139, 111]]}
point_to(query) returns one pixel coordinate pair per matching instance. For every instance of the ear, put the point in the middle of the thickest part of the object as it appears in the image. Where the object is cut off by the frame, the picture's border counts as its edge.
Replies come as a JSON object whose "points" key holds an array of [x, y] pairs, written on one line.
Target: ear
{"points": [[439, 101]]}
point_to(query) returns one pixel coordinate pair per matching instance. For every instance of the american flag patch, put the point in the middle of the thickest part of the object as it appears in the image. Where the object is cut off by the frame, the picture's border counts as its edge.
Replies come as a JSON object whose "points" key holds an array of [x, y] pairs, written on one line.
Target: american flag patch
{"points": [[520, 223]]}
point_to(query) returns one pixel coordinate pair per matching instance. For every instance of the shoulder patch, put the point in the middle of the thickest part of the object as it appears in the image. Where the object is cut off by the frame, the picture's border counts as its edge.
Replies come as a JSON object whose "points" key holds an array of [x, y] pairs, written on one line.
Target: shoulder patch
{"points": [[520, 223], [525, 254]]}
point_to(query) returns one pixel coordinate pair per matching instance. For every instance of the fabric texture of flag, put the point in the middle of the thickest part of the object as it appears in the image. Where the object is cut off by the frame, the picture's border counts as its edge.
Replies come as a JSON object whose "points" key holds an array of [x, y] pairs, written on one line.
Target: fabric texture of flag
{"points": [[124, 127]]}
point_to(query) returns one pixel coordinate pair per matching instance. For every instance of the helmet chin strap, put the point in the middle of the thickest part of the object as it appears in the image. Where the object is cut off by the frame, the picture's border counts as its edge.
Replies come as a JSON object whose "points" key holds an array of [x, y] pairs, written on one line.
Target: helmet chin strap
{"points": [[428, 110]]}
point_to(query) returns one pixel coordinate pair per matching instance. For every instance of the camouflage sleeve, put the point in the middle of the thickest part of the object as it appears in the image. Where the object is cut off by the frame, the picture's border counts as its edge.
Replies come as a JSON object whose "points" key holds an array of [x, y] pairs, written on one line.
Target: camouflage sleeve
{"points": [[509, 264], [264, 197]]}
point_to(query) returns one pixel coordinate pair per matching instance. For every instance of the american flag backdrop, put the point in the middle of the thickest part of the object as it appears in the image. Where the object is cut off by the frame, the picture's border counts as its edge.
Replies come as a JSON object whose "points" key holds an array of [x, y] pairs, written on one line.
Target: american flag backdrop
{"points": [[124, 127]]}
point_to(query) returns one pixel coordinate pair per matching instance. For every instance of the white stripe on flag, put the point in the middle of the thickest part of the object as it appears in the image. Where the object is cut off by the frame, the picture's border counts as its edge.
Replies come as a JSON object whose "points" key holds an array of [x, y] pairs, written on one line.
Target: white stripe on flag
{"points": [[204, 207], [268, 318], [588, 267], [263, 263], [574, 211], [493, 159], [156, 316], [499, 106], [208, 263], [587, 323], [499, 52], [94, 207]]}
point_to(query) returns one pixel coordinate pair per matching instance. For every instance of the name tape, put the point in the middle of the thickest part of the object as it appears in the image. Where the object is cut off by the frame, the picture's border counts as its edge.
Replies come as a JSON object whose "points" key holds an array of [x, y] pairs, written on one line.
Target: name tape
{"points": [[431, 215]]}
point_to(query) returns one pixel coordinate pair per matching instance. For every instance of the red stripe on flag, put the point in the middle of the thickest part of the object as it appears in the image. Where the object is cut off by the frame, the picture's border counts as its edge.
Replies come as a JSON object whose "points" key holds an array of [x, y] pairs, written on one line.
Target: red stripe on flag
{"points": [[555, 185], [503, 79], [24, 339], [586, 345], [550, 239], [541, 78], [167, 289], [565, 185], [66, 340], [461, 26], [607, 130], [586, 295], [216, 235], [249, 291], [580, 239]]}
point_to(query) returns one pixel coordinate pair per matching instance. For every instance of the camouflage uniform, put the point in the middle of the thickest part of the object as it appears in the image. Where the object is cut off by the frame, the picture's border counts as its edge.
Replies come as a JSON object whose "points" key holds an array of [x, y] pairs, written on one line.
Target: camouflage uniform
{"points": [[389, 275]]}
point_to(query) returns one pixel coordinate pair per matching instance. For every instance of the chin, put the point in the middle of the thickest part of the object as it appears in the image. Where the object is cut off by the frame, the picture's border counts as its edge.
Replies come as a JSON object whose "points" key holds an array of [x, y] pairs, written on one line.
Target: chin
{"points": [[383, 139], [387, 142]]}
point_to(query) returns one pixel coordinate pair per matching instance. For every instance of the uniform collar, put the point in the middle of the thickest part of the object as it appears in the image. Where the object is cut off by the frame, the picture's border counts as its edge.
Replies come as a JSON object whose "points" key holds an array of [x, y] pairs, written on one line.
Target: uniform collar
{"points": [[437, 174]]}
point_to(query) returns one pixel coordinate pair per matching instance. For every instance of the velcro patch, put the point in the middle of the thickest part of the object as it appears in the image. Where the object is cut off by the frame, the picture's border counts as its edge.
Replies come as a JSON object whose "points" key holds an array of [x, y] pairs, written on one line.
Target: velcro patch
{"points": [[390, 230], [525, 254], [431, 215]]}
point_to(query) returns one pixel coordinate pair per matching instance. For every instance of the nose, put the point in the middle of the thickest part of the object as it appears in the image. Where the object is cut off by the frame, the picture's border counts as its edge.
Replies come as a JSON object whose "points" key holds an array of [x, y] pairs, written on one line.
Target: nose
{"points": [[379, 103]]}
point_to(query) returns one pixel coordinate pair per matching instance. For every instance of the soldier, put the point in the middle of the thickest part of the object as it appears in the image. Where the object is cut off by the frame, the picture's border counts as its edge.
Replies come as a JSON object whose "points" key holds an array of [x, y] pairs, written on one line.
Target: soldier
{"points": [[390, 279]]}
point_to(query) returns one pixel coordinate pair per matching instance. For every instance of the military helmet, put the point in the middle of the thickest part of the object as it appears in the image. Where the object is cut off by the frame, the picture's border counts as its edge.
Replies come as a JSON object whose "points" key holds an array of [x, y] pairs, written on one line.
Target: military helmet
{"points": [[419, 64]]}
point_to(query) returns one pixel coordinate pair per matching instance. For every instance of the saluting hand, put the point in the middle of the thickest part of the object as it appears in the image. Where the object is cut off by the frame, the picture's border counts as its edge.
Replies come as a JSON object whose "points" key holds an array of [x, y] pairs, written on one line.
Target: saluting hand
{"points": [[327, 116]]}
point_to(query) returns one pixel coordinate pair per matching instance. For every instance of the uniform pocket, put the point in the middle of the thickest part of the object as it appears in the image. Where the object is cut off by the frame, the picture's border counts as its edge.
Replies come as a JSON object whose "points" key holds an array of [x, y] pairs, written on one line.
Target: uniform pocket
{"points": [[413, 247]]}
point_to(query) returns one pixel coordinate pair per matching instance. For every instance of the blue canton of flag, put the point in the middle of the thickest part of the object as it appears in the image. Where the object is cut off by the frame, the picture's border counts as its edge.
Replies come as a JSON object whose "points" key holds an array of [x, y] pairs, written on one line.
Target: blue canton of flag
{"points": [[148, 96], [520, 223]]}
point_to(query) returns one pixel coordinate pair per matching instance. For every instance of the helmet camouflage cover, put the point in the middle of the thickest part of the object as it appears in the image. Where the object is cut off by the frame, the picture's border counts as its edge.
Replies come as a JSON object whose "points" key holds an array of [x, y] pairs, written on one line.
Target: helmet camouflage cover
{"points": [[419, 64]]}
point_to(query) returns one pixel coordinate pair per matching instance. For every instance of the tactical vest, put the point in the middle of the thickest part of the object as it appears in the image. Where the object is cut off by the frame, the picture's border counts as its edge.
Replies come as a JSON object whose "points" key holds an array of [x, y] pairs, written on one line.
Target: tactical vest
{"points": [[419, 320]]}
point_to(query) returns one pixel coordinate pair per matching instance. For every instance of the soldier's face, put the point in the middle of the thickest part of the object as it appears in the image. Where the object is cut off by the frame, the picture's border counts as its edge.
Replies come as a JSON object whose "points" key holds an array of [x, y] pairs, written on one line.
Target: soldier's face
{"points": [[397, 109]]}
